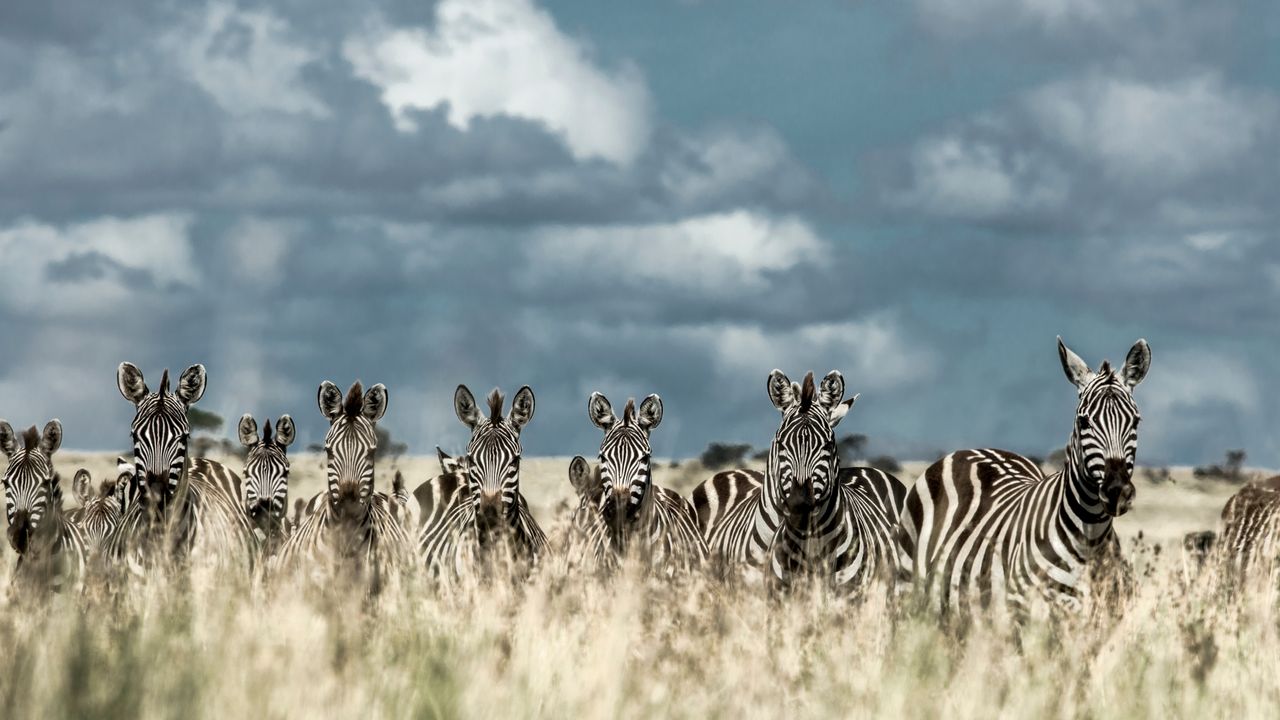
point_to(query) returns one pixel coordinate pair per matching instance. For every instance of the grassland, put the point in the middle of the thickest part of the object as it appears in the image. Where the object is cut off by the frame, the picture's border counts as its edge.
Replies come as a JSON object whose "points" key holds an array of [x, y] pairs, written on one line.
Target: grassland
{"points": [[563, 645]]}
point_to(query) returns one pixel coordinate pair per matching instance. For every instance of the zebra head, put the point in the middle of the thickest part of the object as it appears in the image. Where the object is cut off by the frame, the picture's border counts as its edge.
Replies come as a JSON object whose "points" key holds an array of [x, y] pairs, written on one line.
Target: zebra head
{"points": [[624, 470], [492, 462], [350, 444], [100, 510], [803, 462], [1105, 438], [31, 489], [266, 473], [160, 431]]}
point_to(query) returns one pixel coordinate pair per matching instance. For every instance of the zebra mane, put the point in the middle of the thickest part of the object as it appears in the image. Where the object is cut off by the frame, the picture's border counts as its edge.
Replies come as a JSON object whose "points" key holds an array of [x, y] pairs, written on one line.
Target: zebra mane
{"points": [[266, 431], [629, 413], [1105, 368], [495, 406], [164, 383], [30, 438], [807, 392], [355, 400]]}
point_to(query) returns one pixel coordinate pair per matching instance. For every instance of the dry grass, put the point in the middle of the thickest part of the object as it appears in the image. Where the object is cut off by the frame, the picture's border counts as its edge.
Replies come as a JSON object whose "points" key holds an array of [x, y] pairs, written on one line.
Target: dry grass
{"points": [[563, 645]]}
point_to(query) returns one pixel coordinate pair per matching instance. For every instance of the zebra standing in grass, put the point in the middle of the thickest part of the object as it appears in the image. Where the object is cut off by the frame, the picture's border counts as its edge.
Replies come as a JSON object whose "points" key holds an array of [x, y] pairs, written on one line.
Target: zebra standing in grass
{"points": [[172, 506], [266, 479], [352, 522], [987, 527], [48, 543], [626, 512], [1250, 537], [99, 512], [469, 512], [807, 517]]}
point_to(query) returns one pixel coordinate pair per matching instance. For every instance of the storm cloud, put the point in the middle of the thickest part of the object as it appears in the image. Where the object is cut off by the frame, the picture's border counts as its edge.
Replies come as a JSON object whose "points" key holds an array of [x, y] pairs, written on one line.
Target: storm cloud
{"points": [[504, 192]]}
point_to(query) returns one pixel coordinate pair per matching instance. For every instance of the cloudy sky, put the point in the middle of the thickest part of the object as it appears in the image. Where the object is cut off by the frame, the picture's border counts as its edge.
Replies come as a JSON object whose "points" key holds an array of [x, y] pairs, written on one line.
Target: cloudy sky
{"points": [[669, 197]]}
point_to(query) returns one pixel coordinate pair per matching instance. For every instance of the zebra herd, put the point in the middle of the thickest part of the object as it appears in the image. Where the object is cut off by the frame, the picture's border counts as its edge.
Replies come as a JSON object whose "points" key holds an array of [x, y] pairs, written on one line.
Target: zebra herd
{"points": [[979, 528]]}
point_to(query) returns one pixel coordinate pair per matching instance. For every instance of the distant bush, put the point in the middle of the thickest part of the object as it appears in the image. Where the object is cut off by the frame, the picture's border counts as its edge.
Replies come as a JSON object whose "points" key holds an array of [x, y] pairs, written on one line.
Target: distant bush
{"points": [[1231, 469], [719, 455], [1158, 475], [761, 456], [852, 448], [388, 448], [203, 420], [885, 463]]}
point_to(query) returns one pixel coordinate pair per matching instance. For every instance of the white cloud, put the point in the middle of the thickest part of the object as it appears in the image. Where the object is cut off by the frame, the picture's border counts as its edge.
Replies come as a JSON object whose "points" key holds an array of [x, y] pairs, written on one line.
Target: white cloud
{"points": [[248, 61], [732, 252], [505, 57], [155, 244], [723, 160], [973, 16], [958, 178], [870, 352], [1160, 133], [259, 246]]}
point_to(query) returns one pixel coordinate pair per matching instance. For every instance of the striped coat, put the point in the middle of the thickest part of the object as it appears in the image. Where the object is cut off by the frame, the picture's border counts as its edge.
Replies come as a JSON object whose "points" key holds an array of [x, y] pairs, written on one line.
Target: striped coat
{"points": [[1250, 539]]}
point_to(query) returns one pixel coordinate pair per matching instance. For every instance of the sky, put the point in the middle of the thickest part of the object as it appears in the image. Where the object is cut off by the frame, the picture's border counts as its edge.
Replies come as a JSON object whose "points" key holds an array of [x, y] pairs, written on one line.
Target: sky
{"points": [[658, 197]]}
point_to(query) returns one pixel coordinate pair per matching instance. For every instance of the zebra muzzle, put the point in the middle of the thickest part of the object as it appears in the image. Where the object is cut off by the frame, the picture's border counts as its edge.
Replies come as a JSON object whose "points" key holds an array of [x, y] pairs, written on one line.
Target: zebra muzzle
{"points": [[20, 532], [1117, 489]]}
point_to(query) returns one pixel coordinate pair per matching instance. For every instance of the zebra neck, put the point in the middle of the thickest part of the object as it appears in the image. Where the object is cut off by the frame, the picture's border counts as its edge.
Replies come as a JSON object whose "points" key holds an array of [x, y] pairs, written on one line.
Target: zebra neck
{"points": [[1081, 509]]}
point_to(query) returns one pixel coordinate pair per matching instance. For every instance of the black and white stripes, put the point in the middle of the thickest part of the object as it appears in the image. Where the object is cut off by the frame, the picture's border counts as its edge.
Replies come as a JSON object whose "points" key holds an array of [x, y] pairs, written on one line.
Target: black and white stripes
{"points": [[621, 510], [805, 517], [48, 543], [988, 528], [266, 479], [478, 508]]}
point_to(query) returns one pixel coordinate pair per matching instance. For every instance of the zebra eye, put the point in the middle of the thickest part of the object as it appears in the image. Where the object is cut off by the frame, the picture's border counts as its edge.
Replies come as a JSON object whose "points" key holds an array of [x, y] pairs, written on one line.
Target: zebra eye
{"points": [[1083, 422]]}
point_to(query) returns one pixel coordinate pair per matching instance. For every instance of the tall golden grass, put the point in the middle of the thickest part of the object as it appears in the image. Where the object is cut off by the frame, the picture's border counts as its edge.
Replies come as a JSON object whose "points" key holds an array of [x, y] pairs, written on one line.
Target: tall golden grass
{"points": [[563, 644]]}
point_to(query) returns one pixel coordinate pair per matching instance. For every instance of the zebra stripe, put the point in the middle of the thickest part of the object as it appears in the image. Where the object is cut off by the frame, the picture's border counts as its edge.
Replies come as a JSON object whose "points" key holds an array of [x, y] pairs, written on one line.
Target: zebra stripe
{"points": [[49, 545], [350, 522], [266, 479], [988, 528], [99, 512], [1250, 538], [805, 516], [173, 506], [468, 513], [626, 513]]}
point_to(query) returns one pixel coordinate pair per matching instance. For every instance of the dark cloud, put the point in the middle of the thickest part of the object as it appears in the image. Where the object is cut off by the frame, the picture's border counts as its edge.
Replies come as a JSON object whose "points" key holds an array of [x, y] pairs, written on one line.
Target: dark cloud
{"points": [[293, 233]]}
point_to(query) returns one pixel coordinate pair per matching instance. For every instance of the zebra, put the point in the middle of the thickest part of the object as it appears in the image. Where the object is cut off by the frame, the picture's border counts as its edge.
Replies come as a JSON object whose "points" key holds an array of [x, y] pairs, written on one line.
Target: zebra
{"points": [[805, 516], [49, 545], [266, 479], [99, 512], [351, 523], [173, 506], [466, 513], [988, 528], [1250, 537], [621, 510]]}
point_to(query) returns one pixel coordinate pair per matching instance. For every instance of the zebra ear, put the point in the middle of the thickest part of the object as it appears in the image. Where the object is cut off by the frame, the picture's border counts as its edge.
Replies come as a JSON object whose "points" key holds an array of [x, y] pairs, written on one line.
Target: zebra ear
{"points": [[464, 404], [580, 475], [781, 391], [448, 465], [51, 439], [650, 415], [285, 431], [375, 402], [191, 385], [600, 411], [1077, 370], [124, 469], [330, 400], [80, 484], [247, 430], [521, 408], [831, 390], [1137, 364], [7, 438], [841, 409], [129, 380]]}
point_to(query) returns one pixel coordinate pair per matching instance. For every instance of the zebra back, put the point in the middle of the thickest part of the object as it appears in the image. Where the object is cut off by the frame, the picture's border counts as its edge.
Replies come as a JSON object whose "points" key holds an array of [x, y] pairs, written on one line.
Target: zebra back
{"points": [[1250, 539], [987, 528]]}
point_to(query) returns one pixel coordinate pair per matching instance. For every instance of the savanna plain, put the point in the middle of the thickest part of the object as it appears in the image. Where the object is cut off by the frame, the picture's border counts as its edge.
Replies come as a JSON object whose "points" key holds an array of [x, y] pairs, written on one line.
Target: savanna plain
{"points": [[560, 644]]}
